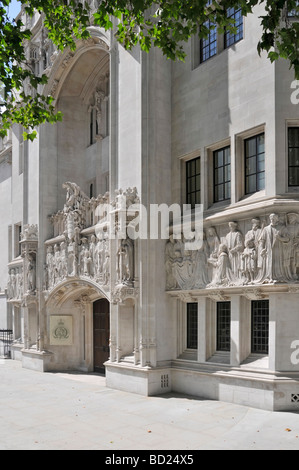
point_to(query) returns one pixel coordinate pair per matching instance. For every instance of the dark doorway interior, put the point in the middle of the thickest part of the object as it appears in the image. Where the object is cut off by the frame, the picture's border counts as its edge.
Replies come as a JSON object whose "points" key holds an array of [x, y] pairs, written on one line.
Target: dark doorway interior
{"points": [[101, 333]]}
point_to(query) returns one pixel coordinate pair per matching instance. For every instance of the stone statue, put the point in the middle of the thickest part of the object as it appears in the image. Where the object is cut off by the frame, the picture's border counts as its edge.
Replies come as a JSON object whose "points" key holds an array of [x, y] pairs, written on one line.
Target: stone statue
{"points": [[248, 259], [235, 246], [223, 275], [254, 235], [125, 256], [50, 266], [200, 260], [106, 269], [289, 237], [183, 268], [31, 275], [272, 249], [170, 256]]}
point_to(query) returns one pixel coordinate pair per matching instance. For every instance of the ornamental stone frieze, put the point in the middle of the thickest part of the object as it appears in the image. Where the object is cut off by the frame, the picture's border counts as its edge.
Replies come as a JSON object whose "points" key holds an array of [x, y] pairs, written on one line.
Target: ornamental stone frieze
{"points": [[266, 253], [82, 246], [15, 283]]}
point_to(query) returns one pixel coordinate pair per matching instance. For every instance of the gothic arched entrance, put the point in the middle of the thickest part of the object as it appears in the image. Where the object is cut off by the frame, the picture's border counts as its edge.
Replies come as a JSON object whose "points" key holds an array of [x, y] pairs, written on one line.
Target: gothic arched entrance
{"points": [[101, 333]]}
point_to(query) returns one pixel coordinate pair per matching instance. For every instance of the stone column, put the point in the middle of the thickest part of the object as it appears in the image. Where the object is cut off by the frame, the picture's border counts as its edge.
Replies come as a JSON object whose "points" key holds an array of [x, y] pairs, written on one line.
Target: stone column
{"points": [[240, 329], [203, 306]]}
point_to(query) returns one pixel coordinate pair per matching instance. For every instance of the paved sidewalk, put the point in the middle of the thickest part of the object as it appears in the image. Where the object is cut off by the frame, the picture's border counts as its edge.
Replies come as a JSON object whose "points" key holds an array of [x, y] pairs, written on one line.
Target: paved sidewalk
{"points": [[69, 411]]}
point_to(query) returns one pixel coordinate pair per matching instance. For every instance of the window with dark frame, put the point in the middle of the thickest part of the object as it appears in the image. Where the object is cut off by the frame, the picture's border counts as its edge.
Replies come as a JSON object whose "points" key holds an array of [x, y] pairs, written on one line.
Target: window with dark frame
{"points": [[293, 156], [193, 184], [222, 174], [260, 326], [223, 326], [91, 124], [192, 326], [230, 37], [208, 45], [254, 164]]}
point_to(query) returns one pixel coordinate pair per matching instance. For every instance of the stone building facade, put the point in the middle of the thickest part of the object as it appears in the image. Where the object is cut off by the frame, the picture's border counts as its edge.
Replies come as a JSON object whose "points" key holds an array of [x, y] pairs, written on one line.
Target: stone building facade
{"points": [[219, 320]]}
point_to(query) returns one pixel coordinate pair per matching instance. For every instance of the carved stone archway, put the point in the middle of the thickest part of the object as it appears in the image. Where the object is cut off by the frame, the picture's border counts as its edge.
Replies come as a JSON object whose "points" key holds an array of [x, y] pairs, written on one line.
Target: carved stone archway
{"points": [[69, 324]]}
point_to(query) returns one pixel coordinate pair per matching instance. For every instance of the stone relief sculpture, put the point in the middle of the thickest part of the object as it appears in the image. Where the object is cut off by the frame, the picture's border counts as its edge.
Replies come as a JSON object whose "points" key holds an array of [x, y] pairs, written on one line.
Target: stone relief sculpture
{"points": [[268, 253], [77, 252], [31, 275], [235, 246], [125, 262], [15, 284]]}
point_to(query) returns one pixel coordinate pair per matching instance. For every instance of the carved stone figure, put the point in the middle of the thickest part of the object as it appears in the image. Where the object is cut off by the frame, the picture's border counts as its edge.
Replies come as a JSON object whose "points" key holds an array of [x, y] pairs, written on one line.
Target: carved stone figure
{"points": [[19, 284], [248, 258], [125, 256], [170, 256], [31, 275], [255, 236], [62, 266], [106, 269], [272, 249], [99, 254], [50, 266], [183, 267], [56, 258], [92, 251], [235, 246], [289, 236], [223, 275], [200, 259], [213, 242]]}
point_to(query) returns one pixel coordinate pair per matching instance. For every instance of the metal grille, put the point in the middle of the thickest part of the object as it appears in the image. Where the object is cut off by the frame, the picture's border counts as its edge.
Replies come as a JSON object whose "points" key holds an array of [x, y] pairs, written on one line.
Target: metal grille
{"points": [[260, 326], [5, 342], [223, 326], [192, 326], [164, 381]]}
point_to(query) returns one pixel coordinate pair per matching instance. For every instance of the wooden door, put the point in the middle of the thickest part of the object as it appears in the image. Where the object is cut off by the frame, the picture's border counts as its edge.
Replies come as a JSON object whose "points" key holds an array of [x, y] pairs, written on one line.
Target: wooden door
{"points": [[101, 333]]}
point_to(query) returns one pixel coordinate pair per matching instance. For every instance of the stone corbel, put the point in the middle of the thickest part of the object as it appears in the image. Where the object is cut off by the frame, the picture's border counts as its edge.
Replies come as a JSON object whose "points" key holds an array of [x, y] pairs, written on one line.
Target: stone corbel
{"points": [[218, 296], [186, 297], [253, 294], [122, 293], [293, 289]]}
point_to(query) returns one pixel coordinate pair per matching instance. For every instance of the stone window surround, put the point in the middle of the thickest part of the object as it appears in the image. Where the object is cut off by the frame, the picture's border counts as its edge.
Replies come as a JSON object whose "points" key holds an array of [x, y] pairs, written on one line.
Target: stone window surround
{"points": [[236, 143], [238, 154], [207, 331], [208, 190], [196, 47]]}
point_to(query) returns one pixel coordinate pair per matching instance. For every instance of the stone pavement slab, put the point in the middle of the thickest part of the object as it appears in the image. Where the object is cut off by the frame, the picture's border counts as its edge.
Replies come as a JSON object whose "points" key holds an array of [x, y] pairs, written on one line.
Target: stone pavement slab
{"points": [[73, 411]]}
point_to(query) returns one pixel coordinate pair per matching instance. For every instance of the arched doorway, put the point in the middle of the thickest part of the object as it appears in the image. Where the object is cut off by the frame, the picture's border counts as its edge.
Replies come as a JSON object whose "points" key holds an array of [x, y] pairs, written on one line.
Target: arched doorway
{"points": [[101, 333]]}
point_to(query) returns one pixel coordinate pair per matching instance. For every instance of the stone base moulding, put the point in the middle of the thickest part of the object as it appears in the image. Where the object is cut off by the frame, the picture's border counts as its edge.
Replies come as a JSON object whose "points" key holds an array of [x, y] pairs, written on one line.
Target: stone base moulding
{"points": [[256, 389], [34, 360], [142, 381]]}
